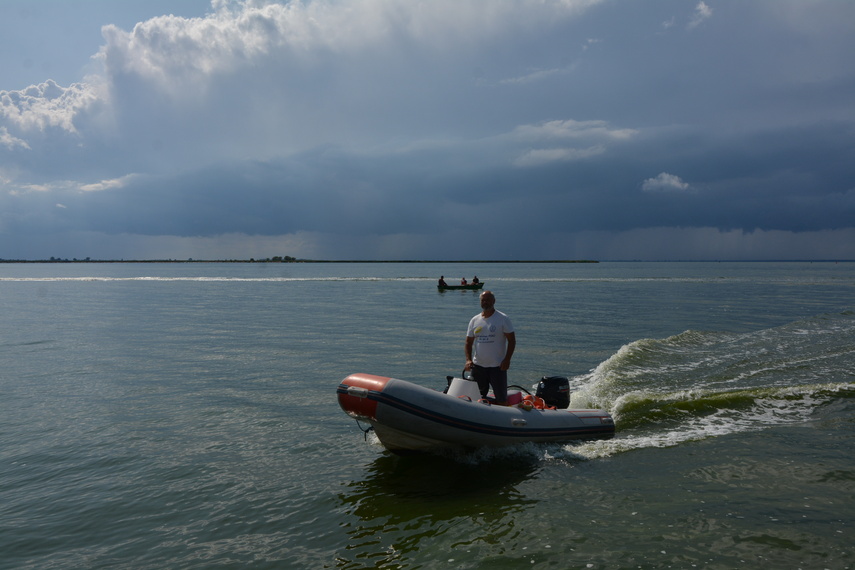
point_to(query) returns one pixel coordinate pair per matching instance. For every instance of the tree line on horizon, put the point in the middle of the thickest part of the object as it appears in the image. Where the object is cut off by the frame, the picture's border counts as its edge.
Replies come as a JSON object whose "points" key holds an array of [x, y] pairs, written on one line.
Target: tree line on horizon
{"points": [[289, 259]]}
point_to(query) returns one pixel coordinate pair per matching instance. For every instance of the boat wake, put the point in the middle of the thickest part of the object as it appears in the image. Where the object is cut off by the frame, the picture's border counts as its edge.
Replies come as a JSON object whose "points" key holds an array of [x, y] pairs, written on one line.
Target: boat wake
{"points": [[700, 385]]}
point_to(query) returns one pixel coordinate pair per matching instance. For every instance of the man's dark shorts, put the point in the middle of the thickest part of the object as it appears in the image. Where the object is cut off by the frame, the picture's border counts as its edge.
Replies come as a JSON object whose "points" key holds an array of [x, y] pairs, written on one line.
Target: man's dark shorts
{"points": [[491, 377]]}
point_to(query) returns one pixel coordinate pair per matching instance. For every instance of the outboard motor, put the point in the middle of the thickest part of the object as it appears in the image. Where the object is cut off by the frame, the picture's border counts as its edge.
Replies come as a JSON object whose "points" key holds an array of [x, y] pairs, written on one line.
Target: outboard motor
{"points": [[555, 391]]}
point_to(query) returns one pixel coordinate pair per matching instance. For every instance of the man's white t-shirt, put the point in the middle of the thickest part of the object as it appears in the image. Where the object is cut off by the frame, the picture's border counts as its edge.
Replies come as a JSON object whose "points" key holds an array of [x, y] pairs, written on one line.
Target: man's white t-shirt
{"points": [[490, 345]]}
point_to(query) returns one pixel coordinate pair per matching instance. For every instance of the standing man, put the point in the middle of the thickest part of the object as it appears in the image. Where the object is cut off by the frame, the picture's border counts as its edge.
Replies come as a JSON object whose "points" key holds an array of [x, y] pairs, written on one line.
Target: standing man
{"points": [[490, 343]]}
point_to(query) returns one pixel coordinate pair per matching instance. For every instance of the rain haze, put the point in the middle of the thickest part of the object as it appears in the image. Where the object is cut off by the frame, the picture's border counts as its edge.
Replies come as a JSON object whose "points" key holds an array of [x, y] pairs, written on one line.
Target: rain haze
{"points": [[442, 130]]}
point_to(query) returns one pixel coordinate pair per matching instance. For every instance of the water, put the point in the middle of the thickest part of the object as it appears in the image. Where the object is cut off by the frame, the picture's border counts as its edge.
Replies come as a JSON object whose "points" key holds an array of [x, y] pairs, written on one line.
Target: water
{"points": [[184, 416]]}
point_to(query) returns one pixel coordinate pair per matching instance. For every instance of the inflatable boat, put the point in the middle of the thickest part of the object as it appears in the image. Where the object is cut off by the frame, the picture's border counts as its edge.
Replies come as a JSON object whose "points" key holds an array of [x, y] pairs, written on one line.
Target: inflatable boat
{"points": [[410, 418]]}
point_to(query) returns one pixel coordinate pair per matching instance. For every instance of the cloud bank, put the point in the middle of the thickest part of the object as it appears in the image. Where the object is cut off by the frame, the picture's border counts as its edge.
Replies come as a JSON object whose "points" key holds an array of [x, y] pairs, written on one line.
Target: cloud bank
{"points": [[443, 130]]}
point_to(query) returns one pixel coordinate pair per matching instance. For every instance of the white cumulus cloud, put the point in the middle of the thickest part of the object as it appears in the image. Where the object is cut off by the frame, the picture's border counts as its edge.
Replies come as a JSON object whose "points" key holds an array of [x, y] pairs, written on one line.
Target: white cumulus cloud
{"points": [[665, 182], [702, 12], [9, 141], [46, 105]]}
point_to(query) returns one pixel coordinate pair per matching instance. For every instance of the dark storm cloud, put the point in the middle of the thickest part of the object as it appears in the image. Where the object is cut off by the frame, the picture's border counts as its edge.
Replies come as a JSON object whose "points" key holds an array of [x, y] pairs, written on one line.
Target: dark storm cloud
{"points": [[767, 182], [393, 128]]}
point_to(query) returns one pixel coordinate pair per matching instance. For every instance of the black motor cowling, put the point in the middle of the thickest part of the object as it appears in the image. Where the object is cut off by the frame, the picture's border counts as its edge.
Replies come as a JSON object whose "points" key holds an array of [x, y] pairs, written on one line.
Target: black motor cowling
{"points": [[555, 391]]}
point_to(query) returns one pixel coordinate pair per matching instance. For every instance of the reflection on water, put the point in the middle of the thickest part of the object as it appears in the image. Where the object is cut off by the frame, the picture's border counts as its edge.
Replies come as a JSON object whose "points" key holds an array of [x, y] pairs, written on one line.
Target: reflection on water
{"points": [[403, 501]]}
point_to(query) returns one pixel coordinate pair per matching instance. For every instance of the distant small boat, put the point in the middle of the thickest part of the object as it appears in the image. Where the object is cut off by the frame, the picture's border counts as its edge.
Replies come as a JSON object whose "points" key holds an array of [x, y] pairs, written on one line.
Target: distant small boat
{"points": [[410, 418], [472, 286]]}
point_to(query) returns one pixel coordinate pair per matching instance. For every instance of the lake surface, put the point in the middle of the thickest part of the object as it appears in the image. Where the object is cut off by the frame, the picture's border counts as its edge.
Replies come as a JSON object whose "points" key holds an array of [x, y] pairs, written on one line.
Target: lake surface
{"points": [[183, 415]]}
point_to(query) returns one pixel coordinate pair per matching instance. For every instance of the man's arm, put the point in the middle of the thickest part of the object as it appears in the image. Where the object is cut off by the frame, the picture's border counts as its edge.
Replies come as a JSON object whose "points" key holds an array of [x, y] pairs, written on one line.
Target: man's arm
{"points": [[512, 344], [470, 340]]}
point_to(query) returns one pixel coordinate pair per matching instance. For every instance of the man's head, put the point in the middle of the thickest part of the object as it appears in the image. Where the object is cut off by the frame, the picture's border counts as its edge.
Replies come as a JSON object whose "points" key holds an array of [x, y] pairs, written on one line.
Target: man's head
{"points": [[488, 300]]}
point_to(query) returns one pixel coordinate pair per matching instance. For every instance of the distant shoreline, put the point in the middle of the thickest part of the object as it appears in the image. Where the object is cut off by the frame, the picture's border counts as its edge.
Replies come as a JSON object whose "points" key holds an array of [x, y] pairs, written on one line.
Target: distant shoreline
{"points": [[280, 260], [426, 261]]}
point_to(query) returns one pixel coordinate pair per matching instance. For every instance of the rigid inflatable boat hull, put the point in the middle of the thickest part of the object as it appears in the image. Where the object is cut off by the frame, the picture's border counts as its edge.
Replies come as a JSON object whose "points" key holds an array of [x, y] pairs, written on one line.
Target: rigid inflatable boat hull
{"points": [[409, 417]]}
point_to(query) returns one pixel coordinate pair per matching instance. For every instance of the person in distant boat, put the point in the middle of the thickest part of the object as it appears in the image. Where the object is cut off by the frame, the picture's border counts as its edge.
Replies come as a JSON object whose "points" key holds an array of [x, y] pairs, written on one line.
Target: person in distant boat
{"points": [[490, 344], [463, 281], [475, 280], [442, 282]]}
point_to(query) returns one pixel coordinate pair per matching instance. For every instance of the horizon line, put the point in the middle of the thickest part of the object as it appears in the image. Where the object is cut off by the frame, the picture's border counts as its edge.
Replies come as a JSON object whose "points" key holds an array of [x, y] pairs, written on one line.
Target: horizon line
{"points": [[296, 260]]}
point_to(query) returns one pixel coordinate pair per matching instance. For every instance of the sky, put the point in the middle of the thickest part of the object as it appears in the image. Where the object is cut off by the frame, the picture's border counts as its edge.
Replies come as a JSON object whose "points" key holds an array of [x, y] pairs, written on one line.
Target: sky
{"points": [[441, 130]]}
